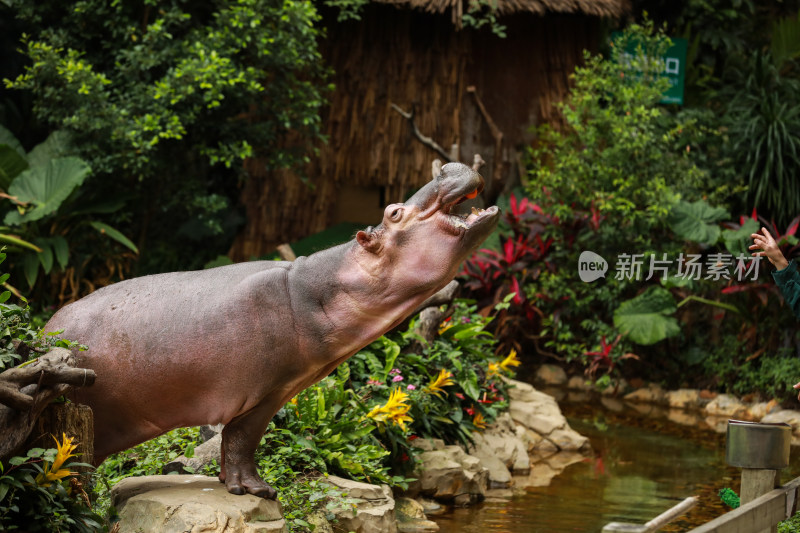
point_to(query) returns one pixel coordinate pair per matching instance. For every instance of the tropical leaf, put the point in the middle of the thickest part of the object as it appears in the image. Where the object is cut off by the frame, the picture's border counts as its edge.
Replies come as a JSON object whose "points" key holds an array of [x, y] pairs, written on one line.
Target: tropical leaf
{"points": [[115, 234], [646, 318], [785, 43], [738, 240], [696, 221], [55, 146], [11, 165], [46, 188], [7, 138]]}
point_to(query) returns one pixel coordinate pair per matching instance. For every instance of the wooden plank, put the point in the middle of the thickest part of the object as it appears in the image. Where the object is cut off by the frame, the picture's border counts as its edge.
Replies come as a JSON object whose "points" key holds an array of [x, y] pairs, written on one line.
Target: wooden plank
{"points": [[762, 513]]}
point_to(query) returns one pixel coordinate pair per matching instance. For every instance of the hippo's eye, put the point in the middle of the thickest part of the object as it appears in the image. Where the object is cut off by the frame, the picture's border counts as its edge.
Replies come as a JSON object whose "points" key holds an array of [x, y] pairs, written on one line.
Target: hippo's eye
{"points": [[395, 216]]}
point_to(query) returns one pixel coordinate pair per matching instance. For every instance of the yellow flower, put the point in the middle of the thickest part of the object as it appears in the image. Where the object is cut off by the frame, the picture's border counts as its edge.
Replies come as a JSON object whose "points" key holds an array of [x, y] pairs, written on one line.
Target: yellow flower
{"points": [[54, 472], [444, 326], [478, 421], [395, 410], [510, 360], [442, 380]]}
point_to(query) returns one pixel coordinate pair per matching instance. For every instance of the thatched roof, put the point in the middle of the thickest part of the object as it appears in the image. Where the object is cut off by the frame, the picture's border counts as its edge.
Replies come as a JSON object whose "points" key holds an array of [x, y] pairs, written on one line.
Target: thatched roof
{"points": [[600, 8]]}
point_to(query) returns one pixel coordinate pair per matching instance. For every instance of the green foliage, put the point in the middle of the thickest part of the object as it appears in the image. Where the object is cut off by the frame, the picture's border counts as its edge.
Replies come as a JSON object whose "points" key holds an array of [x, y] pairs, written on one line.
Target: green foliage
{"points": [[46, 208], [729, 498], [790, 525], [697, 221], [646, 318], [40, 493], [19, 338], [164, 100], [764, 120], [462, 355]]}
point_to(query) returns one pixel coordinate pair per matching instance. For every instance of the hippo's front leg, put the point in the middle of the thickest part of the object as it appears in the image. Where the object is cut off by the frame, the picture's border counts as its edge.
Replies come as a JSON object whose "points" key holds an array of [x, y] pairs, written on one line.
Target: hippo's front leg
{"points": [[240, 438]]}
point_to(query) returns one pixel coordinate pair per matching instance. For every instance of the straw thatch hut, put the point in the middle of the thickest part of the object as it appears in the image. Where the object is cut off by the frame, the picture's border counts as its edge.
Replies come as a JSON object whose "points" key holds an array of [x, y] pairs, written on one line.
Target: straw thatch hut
{"points": [[467, 88]]}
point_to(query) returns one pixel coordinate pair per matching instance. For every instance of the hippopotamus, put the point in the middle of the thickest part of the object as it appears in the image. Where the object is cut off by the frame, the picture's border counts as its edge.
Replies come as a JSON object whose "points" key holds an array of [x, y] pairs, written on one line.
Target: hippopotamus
{"points": [[233, 344]]}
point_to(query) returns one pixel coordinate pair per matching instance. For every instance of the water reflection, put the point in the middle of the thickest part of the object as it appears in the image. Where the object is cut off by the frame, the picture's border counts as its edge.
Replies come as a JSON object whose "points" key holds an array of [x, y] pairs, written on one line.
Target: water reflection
{"points": [[643, 464]]}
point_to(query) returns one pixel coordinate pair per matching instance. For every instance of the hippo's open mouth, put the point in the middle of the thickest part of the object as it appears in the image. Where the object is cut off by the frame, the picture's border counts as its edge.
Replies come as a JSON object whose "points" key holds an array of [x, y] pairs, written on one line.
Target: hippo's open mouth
{"points": [[459, 223]]}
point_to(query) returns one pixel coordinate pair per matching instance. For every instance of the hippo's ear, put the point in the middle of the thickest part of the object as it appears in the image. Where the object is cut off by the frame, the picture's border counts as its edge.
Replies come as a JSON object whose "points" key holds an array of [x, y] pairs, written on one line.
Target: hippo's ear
{"points": [[368, 240]]}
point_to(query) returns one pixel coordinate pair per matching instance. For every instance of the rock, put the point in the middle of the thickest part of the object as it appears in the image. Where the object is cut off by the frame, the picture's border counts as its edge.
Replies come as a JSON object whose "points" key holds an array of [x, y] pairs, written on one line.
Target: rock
{"points": [[579, 383], [612, 404], [787, 416], [684, 418], [206, 454], [179, 503], [551, 375], [521, 391], [428, 444], [727, 405], [567, 439], [683, 399], [499, 495], [619, 386], [499, 475], [369, 509], [544, 449], [431, 507], [450, 475], [501, 441], [653, 393], [578, 396], [208, 432], [717, 423], [411, 517], [762, 409], [320, 523]]}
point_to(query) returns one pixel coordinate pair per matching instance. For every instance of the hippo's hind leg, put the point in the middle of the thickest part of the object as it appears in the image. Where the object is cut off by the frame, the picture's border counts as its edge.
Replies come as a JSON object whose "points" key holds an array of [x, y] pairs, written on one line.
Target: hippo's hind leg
{"points": [[240, 439]]}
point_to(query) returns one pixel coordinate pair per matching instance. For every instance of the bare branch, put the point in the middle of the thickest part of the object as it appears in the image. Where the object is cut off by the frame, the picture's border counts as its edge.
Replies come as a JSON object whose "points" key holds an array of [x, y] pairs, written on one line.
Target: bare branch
{"points": [[427, 141], [497, 167]]}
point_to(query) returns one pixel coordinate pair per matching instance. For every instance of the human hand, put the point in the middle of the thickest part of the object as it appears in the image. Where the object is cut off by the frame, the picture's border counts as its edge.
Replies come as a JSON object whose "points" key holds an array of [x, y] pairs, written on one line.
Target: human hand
{"points": [[769, 249], [797, 386]]}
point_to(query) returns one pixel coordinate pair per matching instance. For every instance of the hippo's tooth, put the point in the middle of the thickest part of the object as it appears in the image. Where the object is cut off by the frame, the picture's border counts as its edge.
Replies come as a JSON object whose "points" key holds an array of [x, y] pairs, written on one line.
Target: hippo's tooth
{"points": [[475, 211]]}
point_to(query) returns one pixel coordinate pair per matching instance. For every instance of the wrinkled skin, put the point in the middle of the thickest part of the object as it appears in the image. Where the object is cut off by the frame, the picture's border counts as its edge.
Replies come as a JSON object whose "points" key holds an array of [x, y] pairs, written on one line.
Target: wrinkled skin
{"points": [[233, 344]]}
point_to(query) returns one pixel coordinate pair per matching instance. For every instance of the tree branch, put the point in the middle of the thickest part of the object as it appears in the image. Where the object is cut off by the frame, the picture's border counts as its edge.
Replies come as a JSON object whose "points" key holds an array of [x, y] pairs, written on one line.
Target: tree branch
{"points": [[26, 390], [427, 141]]}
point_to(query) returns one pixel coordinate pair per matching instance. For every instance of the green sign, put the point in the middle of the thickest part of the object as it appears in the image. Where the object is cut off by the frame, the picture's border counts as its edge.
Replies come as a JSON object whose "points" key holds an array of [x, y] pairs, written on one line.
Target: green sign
{"points": [[675, 72], [674, 64]]}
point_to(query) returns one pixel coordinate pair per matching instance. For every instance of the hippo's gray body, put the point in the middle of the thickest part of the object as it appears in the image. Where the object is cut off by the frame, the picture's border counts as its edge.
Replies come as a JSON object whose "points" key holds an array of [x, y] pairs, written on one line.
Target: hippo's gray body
{"points": [[233, 344]]}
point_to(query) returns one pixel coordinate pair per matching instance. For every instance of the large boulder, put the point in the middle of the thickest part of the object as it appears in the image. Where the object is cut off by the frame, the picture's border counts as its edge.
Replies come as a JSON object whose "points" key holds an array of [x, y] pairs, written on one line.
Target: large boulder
{"points": [[367, 508], [502, 443], [451, 475], [551, 375], [180, 503], [540, 413], [411, 517], [728, 406]]}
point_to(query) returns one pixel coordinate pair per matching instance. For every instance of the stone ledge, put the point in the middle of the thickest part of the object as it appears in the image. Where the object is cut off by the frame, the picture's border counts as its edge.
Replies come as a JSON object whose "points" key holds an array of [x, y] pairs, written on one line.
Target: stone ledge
{"points": [[176, 503]]}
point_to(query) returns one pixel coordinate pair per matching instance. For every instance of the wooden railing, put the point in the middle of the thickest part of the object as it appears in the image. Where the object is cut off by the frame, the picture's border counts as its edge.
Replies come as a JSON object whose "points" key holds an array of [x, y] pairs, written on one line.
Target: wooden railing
{"points": [[761, 514]]}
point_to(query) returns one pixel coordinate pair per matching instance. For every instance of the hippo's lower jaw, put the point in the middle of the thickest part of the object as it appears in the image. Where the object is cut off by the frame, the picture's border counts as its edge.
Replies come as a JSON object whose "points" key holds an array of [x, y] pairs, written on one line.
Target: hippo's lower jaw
{"points": [[457, 223]]}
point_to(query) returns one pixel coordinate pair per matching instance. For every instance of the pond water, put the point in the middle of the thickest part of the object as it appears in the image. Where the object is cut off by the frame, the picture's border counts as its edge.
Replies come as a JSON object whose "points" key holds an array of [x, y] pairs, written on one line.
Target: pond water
{"points": [[641, 466]]}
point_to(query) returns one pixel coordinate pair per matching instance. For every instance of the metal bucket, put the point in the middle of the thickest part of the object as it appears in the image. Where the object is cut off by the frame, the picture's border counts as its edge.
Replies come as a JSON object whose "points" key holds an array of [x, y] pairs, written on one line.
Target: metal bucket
{"points": [[757, 445]]}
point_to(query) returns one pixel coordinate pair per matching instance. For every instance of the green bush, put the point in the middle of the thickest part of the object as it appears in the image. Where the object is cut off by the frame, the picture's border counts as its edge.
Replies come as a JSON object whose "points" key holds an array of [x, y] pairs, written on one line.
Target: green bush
{"points": [[40, 492]]}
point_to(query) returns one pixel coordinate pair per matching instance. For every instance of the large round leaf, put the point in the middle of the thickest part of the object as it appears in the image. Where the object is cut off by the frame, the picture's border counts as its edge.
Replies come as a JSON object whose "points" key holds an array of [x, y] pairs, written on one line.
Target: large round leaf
{"points": [[738, 241], [696, 221], [646, 319], [11, 165], [46, 187]]}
